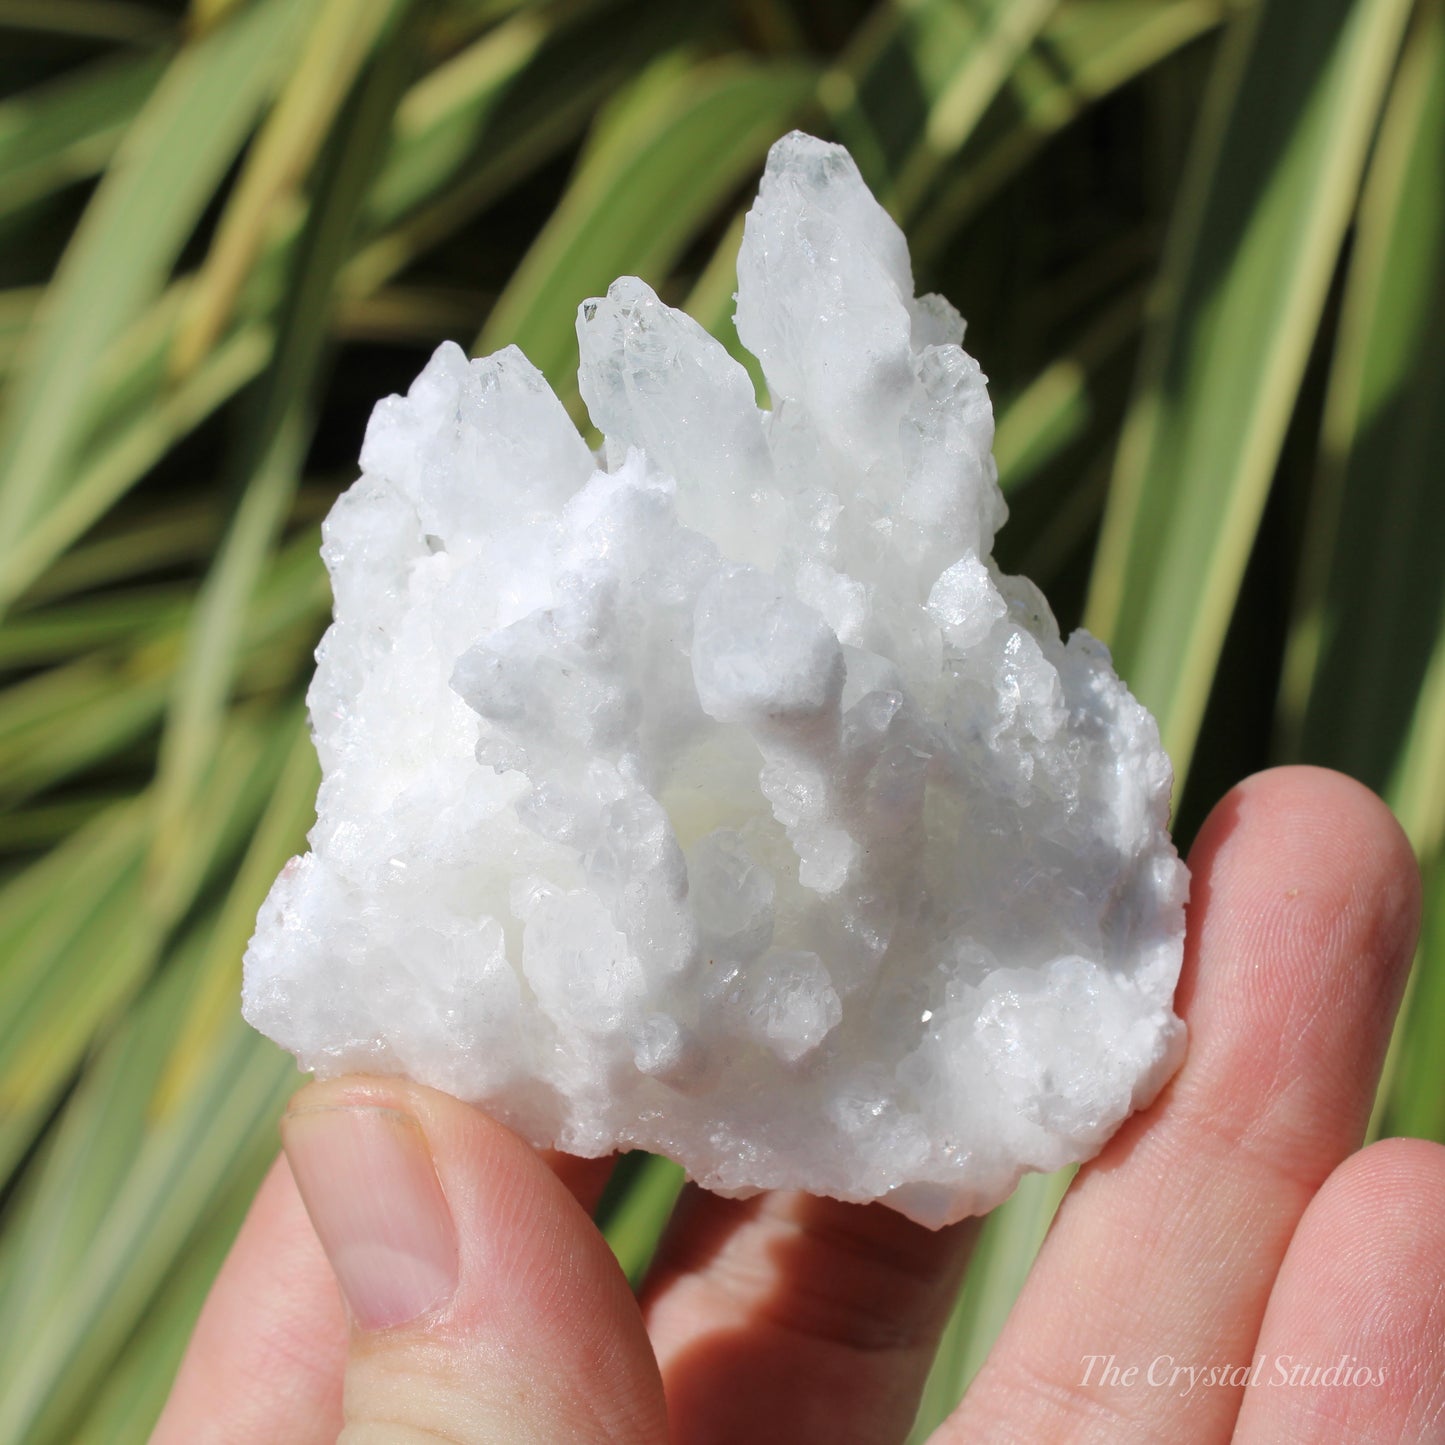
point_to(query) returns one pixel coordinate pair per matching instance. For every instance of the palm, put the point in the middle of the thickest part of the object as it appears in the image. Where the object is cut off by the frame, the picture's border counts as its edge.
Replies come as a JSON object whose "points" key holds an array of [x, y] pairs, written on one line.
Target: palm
{"points": [[1231, 1222]]}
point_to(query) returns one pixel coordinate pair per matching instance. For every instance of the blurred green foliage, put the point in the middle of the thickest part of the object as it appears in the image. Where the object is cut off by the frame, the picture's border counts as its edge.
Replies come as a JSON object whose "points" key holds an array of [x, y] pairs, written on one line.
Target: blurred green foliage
{"points": [[1201, 244]]}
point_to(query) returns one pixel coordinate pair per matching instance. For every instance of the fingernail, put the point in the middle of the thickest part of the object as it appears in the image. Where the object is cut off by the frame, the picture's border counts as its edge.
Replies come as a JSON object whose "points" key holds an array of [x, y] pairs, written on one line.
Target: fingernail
{"points": [[368, 1182]]}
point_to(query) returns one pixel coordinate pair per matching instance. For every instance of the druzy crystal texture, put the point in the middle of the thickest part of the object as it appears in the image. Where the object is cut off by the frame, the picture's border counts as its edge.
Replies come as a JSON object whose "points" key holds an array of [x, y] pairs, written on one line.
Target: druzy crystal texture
{"points": [[717, 794]]}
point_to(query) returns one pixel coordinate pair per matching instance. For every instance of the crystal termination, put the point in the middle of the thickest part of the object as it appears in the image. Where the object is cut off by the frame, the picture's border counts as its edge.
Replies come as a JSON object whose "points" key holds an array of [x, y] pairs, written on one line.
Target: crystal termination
{"points": [[719, 796]]}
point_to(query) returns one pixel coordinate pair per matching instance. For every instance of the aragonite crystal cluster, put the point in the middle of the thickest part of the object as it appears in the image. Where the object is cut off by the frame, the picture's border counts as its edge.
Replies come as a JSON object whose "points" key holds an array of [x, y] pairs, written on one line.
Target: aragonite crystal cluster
{"points": [[717, 794]]}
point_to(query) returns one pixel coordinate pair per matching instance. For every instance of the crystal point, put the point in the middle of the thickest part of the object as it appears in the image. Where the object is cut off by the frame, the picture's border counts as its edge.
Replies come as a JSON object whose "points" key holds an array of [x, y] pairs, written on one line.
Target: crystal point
{"points": [[723, 798]]}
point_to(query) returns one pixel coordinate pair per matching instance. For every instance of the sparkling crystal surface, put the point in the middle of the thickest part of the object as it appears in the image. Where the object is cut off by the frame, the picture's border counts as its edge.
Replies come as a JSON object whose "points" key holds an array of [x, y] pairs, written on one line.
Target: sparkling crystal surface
{"points": [[718, 795]]}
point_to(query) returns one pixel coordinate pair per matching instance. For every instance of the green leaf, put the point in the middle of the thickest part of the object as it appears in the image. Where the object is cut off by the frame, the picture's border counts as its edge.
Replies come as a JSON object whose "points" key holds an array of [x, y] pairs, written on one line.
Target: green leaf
{"points": [[496, 113], [635, 1209], [166, 537], [63, 721], [43, 825], [83, 957], [18, 305], [1055, 410], [1363, 686], [192, 1157], [341, 42], [29, 917], [128, 1402], [87, 1156], [1002, 1258], [1271, 191], [68, 130], [1370, 606], [58, 722], [164, 174], [270, 456], [280, 833], [180, 1050], [96, 20], [1087, 50], [917, 80], [105, 474], [1412, 1097], [60, 633], [440, 119]]}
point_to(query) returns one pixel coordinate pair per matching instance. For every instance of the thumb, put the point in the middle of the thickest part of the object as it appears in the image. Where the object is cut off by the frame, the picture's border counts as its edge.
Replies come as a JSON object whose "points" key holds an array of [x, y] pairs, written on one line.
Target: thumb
{"points": [[485, 1307]]}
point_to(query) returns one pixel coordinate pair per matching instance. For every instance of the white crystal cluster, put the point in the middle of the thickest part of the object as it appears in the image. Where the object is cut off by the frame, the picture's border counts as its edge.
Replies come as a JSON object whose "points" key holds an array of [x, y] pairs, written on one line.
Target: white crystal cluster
{"points": [[717, 795]]}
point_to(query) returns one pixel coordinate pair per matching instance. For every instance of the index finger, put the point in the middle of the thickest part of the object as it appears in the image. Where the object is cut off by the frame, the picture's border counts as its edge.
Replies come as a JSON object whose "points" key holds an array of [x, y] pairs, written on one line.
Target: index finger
{"points": [[1303, 917]]}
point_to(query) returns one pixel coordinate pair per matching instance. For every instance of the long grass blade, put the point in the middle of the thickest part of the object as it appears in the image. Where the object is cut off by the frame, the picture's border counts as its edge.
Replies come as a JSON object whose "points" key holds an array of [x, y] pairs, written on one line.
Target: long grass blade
{"points": [[1411, 1096], [635, 1210], [280, 832], [87, 955], [341, 41], [271, 456], [61, 633], [58, 723], [68, 130], [1086, 51], [1369, 608], [105, 475], [106, 21], [1273, 186], [1008, 1242], [188, 1161], [1363, 685], [123, 1410], [18, 305], [916, 82], [166, 171], [440, 119], [498, 112], [89, 1152], [177, 1049], [61, 722], [166, 537], [1056, 408]]}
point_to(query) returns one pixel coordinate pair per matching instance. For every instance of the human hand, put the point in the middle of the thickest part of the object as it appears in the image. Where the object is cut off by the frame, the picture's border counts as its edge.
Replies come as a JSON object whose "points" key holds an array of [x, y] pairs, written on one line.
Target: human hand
{"points": [[1232, 1222]]}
